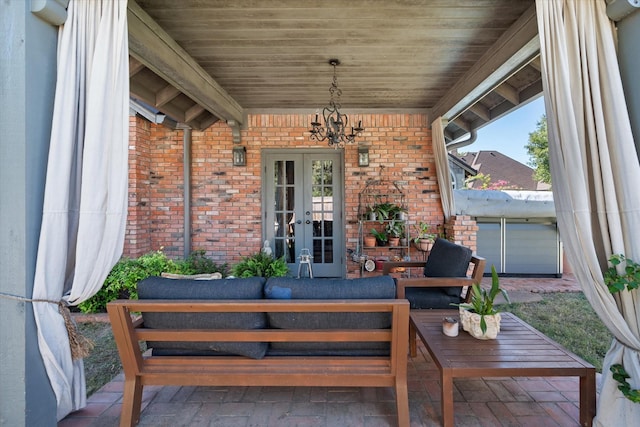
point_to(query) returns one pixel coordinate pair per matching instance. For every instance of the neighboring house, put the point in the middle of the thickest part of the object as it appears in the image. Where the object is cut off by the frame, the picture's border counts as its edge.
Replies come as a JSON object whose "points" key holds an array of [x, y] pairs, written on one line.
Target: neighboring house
{"points": [[460, 172], [505, 172], [510, 210]]}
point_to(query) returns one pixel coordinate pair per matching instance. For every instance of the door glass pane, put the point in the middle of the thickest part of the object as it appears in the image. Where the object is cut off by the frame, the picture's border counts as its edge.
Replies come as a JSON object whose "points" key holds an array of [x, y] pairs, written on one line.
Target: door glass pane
{"points": [[284, 210], [322, 210]]}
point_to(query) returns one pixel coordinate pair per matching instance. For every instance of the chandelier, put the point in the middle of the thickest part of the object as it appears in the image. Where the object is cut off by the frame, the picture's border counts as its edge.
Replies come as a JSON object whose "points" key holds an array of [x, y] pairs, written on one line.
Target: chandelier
{"points": [[336, 124]]}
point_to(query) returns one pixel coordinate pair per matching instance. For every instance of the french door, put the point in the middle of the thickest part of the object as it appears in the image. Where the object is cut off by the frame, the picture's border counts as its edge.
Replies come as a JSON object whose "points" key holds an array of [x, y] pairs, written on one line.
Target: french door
{"points": [[302, 197]]}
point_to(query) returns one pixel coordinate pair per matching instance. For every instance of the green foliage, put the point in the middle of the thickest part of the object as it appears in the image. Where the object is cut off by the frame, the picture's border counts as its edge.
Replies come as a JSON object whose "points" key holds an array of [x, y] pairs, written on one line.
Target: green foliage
{"points": [[621, 375], [380, 236], [121, 282], [423, 231], [482, 301], [629, 280], [538, 151], [395, 228], [198, 263], [260, 265]]}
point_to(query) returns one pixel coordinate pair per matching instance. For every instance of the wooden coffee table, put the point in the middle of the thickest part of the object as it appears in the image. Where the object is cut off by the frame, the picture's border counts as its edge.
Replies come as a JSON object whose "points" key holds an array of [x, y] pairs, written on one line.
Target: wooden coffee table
{"points": [[519, 351]]}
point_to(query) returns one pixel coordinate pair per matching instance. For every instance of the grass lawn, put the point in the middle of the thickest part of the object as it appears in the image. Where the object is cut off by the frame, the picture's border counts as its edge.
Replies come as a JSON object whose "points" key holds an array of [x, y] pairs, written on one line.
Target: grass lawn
{"points": [[567, 318]]}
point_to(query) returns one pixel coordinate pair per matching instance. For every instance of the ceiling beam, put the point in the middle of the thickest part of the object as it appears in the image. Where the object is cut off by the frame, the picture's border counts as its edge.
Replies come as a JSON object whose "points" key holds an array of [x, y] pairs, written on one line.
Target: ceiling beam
{"points": [[481, 111], [509, 53], [152, 46], [165, 95], [508, 92], [135, 66]]}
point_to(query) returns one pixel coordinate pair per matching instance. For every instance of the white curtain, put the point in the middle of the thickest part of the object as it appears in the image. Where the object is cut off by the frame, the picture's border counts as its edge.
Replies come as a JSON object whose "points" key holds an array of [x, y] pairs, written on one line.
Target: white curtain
{"points": [[442, 167], [596, 176], [85, 202]]}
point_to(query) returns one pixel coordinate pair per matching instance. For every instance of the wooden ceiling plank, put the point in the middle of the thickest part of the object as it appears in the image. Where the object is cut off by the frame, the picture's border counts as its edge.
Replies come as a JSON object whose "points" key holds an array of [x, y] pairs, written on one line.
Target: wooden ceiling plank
{"points": [[515, 48], [165, 95], [152, 46], [508, 92]]}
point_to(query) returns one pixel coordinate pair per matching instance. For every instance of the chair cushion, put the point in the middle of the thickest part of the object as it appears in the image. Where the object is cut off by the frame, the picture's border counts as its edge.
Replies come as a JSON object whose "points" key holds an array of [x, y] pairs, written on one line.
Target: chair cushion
{"points": [[430, 298], [223, 289], [448, 260]]}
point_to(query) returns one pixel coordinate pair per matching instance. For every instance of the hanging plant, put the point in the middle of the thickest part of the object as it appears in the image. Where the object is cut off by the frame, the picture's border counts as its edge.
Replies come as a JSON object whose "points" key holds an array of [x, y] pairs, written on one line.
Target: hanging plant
{"points": [[620, 375], [618, 282]]}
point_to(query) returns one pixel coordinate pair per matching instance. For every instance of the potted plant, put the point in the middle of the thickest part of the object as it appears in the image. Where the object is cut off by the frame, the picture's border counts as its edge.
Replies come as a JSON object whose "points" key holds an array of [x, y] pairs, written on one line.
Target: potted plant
{"points": [[402, 213], [369, 241], [395, 230], [479, 317], [383, 211], [381, 237], [424, 237]]}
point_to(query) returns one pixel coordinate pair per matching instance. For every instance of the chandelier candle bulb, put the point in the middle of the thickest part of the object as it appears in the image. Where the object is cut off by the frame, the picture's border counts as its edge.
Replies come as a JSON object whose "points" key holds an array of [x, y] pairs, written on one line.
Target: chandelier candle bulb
{"points": [[450, 326]]}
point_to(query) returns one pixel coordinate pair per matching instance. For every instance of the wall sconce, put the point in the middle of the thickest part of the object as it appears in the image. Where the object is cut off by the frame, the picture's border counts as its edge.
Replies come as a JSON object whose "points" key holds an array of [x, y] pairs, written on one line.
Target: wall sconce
{"points": [[239, 156], [363, 156]]}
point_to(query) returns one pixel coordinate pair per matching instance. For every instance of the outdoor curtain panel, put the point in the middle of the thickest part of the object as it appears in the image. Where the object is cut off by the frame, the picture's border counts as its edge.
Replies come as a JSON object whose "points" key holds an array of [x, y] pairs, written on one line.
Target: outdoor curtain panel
{"points": [[443, 172], [85, 201], [596, 176]]}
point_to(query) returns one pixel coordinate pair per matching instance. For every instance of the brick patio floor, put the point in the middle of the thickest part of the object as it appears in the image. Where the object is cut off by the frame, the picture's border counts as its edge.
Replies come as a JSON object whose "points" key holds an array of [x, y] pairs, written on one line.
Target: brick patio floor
{"points": [[537, 402]]}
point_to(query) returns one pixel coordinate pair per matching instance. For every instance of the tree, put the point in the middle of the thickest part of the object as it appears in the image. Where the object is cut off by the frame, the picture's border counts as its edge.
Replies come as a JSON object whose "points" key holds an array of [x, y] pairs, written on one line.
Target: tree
{"points": [[538, 151]]}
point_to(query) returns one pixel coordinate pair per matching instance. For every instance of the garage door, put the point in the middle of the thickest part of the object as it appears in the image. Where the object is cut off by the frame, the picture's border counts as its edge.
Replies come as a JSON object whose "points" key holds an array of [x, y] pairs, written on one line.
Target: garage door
{"points": [[520, 246]]}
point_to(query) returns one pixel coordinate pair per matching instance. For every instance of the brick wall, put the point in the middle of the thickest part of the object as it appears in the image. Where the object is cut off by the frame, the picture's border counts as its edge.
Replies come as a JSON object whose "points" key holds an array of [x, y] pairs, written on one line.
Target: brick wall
{"points": [[226, 200]]}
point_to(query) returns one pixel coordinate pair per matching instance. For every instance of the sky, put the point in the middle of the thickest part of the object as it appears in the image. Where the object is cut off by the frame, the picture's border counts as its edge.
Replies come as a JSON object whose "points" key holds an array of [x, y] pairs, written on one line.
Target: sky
{"points": [[510, 134]]}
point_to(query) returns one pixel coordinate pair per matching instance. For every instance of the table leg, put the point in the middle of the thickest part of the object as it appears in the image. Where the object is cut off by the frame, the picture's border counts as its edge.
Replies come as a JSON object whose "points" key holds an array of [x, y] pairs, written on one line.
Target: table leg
{"points": [[587, 398], [447, 398], [412, 340]]}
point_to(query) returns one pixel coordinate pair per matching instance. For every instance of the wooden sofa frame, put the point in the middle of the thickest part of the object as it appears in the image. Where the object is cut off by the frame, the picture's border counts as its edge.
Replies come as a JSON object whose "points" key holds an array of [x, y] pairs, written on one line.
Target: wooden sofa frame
{"points": [[476, 266], [345, 371]]}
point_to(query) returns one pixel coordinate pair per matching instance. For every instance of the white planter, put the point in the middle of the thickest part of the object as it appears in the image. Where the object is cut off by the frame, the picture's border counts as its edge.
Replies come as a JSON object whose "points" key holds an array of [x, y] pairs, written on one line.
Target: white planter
{"points": [[471, 323]]}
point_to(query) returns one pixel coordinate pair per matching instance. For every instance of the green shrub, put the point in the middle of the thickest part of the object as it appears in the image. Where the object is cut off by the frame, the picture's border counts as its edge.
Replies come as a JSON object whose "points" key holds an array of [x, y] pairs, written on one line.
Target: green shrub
{"points": [[261, 265], [198, 263], [121, 282]]}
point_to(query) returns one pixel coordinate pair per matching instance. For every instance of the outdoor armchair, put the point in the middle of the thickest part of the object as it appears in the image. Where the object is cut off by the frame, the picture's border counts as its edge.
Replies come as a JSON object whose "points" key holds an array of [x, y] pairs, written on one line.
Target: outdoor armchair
{"points": [[447, 275]]}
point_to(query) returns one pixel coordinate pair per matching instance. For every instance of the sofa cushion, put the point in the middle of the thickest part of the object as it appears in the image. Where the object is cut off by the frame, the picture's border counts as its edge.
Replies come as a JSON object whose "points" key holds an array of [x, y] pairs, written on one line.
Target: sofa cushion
{"points": [[448, 259], [379, 287], [223, 289]]}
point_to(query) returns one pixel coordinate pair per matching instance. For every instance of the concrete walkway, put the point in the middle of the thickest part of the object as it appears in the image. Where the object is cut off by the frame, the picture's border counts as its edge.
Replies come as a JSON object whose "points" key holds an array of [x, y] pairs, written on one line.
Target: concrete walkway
{"points": [[538, 402]]}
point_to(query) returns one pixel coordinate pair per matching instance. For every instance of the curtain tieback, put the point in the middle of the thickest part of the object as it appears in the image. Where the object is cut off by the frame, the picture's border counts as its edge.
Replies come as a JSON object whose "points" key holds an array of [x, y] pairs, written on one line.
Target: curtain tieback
{"points": [[80, 345]]}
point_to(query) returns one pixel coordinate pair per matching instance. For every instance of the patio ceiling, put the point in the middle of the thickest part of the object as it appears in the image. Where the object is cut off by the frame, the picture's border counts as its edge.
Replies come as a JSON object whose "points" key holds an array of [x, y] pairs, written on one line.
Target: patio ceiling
{"points": [[200, 61]]}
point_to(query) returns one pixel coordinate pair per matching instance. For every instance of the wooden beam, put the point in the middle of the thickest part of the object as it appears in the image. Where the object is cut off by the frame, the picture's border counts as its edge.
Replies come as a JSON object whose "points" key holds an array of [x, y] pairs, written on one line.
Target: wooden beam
{"points": [[153, 47], [535, 63], [208, 121], [146, 95], [481, 111], [462, 124], [516, 47], [165, 95], [508, 92], [193, 112], [135, 66]]}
